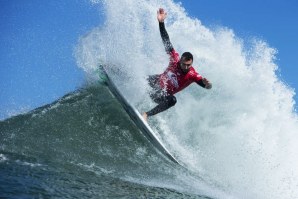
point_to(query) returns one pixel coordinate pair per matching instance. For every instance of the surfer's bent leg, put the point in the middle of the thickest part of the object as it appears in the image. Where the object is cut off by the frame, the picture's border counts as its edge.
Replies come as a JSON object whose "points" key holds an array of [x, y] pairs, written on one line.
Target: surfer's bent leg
{"points": [[163, 99], [164, 102]]}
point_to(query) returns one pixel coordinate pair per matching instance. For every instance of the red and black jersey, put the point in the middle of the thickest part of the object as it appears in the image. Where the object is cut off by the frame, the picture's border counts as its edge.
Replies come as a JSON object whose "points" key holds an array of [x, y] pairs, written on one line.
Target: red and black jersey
{"points": [[173, 79]]}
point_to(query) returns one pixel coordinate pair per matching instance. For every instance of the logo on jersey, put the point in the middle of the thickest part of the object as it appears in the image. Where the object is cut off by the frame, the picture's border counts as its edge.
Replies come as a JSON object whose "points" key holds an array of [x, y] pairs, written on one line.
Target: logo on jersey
{"points": [[173, 78]]}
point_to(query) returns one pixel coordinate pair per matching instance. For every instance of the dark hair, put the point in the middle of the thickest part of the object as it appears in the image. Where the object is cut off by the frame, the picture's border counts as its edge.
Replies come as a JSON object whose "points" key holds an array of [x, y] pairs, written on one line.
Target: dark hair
{"points": [[187, 56]]}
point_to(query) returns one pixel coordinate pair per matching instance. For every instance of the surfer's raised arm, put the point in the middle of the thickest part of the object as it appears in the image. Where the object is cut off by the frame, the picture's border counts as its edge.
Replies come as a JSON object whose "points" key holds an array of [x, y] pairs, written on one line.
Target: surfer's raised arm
{"points": [[161, 15]]}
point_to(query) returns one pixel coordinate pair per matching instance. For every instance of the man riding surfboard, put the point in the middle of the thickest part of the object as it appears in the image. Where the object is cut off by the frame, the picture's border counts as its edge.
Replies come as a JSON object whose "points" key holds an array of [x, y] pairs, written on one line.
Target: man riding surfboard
{"points": [[178, 75]]}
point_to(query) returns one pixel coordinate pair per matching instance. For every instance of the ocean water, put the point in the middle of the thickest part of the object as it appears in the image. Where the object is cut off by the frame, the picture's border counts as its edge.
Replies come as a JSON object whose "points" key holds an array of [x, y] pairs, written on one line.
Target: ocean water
{"points": [[85, 146], [238, 140]]}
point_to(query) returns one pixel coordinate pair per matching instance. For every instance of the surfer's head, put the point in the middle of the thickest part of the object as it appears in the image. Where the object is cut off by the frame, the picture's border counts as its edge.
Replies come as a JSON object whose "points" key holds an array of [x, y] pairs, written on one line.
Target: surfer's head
{"points": [[186, 61]]}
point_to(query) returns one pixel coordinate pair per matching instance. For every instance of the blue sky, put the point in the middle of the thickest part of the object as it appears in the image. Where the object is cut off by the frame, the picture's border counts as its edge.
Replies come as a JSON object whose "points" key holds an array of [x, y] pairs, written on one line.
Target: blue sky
{"points": [[37, 39]]}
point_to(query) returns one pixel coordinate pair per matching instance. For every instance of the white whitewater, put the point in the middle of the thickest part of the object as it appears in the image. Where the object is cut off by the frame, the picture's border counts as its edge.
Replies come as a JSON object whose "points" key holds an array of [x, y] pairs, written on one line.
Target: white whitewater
{"points": [[242, 134]]}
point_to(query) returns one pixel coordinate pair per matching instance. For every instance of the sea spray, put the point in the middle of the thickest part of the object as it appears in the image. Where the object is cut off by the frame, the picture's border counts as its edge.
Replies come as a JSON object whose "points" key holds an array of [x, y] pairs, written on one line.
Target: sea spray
{"points": [[240, 136]]}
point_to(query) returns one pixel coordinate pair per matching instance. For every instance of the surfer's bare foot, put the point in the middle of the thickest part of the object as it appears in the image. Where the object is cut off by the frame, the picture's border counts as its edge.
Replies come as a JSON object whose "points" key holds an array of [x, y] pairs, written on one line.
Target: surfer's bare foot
{"points": [[145, 116]]}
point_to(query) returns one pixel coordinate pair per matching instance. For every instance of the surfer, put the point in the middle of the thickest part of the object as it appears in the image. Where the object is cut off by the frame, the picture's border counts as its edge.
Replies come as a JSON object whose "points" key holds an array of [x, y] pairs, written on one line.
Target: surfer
{"points": [[178, 75]]}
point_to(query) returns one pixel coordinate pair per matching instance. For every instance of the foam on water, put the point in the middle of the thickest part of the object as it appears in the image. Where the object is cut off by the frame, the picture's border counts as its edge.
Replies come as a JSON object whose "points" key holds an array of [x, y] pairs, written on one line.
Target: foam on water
{"points": [[242, 134]]}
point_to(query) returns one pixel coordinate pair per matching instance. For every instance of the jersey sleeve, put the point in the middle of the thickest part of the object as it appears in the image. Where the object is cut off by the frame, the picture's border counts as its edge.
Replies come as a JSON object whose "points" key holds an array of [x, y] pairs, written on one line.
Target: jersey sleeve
{"points": [[174, 56], [196, 77]]}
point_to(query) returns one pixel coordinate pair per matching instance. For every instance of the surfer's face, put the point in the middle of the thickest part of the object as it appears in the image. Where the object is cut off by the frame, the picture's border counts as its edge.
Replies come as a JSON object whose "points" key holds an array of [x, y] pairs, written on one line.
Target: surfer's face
{"points": [[185, 65]]}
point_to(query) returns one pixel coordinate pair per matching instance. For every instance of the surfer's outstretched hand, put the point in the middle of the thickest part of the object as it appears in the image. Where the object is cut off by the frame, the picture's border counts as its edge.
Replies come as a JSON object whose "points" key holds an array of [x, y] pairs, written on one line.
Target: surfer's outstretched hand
{"points": [[208, 84], [161, 15]]}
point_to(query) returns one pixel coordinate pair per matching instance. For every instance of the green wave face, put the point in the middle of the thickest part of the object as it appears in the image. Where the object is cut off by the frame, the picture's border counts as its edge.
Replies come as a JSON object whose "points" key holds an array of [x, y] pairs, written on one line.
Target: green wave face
{"points": [[86, 136]]}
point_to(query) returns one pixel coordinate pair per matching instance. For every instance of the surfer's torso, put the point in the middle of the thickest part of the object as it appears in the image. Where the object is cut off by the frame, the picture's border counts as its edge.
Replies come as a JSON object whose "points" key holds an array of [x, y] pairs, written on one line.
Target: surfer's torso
{"points": [[173, 79]]}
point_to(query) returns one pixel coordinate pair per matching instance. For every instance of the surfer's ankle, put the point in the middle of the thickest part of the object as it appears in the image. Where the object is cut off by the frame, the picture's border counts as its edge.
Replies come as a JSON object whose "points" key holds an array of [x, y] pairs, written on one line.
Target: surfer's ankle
{"points": [[145, 116]]}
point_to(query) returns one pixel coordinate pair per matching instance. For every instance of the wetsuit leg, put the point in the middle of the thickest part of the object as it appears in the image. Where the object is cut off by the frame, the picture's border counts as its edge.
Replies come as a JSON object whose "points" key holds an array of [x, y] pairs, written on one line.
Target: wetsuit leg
{"points": [[164, 102]]}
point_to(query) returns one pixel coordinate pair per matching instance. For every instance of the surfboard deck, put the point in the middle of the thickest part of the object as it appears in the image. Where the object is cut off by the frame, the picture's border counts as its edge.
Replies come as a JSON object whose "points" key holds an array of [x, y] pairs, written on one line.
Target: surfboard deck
{"points": [[137, 118]]}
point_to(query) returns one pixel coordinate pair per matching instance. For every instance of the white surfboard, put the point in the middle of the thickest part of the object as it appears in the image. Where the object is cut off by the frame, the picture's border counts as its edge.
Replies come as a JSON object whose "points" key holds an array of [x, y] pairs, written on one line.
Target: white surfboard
{"points": [[138, 119]]}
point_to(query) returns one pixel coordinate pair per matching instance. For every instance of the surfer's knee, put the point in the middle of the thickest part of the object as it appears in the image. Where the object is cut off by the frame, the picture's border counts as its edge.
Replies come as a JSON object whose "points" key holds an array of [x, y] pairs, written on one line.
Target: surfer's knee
{"points": [[171, 100]]}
